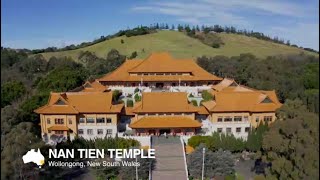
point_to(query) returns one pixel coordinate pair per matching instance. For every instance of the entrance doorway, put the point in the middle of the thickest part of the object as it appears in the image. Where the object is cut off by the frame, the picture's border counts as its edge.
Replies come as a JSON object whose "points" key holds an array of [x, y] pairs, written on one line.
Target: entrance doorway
{"points": [[159, 85], [152, 132], [167, 131]]}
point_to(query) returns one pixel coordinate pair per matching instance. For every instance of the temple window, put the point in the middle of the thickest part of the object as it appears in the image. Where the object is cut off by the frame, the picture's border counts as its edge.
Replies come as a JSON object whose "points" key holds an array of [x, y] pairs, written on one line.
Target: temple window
{"points": [[238, 118], [109, 120], [238, 129], [58, 132], [227, 119], [80, 131], [109, 131], [59, 121], [220, 119], [257, 119], [99, 131], [48, 121], [101, 120], [89, 131], [82, 120], [90, 120], [267, 118]]}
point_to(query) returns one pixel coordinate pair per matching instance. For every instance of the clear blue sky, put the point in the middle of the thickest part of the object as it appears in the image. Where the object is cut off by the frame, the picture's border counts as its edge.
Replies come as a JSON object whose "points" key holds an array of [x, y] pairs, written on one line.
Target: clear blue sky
{"points": [[42, 23]]}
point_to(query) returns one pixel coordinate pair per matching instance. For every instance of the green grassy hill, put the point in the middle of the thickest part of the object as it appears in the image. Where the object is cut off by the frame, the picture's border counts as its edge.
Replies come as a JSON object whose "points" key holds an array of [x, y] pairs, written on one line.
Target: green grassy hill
{"points": [[182, 46]]}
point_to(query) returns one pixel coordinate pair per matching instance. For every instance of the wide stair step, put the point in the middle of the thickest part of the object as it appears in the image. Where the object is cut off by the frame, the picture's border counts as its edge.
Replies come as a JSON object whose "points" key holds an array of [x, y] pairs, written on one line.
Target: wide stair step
{"points": [[169, 159]]}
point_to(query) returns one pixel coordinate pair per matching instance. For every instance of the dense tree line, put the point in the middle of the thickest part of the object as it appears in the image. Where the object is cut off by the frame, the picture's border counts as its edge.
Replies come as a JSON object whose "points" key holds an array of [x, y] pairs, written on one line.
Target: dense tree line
{"points": [[11, 91], [292, 144], [192, 31], [291, 76]]}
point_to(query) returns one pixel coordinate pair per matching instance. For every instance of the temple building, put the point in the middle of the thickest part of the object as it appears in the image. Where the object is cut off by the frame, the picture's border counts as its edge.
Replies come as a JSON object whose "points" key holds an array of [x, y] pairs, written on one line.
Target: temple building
{"points": [[159, 71], [159, 95], [235, 108], [165, 112], [87, 114]]}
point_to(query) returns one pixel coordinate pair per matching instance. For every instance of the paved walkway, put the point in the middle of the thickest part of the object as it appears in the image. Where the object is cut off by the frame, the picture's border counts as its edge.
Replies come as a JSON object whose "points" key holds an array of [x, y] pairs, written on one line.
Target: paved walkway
{"points": [[169, 159]]}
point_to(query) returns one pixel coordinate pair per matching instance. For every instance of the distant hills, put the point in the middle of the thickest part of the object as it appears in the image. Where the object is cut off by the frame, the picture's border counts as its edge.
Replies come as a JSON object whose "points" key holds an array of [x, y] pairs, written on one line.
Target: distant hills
{"points": [[181, 45]]}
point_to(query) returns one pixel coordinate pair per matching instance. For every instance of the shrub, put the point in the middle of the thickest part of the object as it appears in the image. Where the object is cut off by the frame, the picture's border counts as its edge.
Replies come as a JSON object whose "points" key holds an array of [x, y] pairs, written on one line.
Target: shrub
{"points": [[122, 41], [129, 103], [206, 96], [133, 55], [217, 164], [136, 90], [116, 95], [191, 95], [215, 45], [195, 141], [137, 98], [218, 141], [194, 102]]}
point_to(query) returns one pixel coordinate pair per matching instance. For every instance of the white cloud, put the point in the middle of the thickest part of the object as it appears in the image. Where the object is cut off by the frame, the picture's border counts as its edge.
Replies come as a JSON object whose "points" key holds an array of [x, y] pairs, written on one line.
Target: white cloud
{"points": [[271, 6], [193, 13]]}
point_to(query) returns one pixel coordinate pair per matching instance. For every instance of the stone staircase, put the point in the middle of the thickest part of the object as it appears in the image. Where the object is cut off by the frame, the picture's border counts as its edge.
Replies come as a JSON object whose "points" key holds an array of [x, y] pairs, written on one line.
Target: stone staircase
{"points": [[169, 159]]}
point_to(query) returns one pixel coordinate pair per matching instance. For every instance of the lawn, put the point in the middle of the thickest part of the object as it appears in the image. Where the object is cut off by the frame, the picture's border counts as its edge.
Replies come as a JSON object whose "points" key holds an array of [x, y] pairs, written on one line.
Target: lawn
{"points": [[182, 46]]}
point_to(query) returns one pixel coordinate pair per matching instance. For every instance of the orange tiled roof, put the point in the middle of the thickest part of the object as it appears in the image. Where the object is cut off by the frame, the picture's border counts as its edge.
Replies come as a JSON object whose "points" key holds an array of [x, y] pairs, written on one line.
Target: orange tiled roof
{"points": [[165, 122], [128, 111], [202, 110], [121, 73], [245, 101], [50, 107], [156, 63], [226, 82], [230, 85], [80, 102], [93, 86], [164, 102], [58, 128]]}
